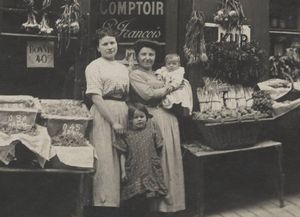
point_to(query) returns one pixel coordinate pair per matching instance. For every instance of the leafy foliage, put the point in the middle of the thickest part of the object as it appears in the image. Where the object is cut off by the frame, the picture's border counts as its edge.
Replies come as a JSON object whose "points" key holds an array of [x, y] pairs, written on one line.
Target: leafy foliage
{"points": [[236, 64], [281, 66]]}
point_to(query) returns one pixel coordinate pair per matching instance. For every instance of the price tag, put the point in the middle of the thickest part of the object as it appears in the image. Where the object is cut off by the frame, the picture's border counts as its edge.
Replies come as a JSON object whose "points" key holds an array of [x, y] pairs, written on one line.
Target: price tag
{"points": [[17, 121], [72, 129], [40, 54]]}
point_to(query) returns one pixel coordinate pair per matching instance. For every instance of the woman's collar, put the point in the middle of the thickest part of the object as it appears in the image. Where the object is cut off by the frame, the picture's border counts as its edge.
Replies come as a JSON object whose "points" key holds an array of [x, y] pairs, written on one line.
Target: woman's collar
{"points": [[144, 70]]}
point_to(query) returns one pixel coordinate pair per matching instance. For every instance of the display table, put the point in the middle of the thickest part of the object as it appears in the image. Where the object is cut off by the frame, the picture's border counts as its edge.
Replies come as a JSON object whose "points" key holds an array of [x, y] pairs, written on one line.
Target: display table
{"points": [[201, 154], [45, 192]]}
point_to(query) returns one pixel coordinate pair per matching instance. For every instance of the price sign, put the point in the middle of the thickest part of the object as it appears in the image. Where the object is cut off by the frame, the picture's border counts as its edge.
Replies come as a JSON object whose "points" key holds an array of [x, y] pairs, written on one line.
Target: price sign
{"points": [[214, 32], [72, 129], [40, 54], [17, 121]]}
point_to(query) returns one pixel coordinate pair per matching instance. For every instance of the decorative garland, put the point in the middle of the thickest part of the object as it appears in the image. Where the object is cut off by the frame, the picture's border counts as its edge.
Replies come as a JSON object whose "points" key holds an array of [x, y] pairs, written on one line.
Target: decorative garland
{"points": [[194, 47]]}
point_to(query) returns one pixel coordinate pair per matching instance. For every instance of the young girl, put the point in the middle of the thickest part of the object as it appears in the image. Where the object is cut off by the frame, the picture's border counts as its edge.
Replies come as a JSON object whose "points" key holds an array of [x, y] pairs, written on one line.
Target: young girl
{"points": [[172, 74], [141, 172]]}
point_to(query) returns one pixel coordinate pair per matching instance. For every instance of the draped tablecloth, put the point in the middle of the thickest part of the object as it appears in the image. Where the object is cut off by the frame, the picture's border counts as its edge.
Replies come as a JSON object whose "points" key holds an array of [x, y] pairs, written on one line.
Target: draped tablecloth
{"points": [[39, 143]]}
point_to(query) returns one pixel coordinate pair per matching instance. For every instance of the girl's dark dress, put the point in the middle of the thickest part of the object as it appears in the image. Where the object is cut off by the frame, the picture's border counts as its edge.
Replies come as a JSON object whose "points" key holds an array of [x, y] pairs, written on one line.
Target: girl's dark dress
{"points": [[143, 166]]}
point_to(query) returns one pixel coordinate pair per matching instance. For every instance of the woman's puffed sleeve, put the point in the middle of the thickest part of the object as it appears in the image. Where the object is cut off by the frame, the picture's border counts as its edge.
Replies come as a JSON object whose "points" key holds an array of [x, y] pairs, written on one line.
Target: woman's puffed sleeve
{"points": [[121, 145], [94, 83], [158, 139], [143, 89]]}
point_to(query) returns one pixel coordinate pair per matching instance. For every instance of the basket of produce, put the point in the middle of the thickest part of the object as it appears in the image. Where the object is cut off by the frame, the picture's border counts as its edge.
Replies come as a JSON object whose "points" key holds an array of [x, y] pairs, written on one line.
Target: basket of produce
{"points": [[65, 117], [18, 112], [230, 129]]}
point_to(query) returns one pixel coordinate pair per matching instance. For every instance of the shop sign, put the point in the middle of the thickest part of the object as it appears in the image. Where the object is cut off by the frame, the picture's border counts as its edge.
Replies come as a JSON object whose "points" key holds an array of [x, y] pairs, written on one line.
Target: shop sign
{"points": [[40, 54], [133, 19], [220, 34]]}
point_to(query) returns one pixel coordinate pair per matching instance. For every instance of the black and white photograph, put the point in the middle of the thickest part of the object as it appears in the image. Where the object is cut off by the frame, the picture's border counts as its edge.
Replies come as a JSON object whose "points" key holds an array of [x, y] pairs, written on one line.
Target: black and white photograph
{"points": [[149, 108]]}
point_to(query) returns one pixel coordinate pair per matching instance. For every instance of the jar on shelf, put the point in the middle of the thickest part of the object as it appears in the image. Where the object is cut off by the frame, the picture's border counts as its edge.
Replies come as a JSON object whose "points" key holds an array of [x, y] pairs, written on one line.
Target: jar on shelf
{"points": [[274, 22], [282, 24]]}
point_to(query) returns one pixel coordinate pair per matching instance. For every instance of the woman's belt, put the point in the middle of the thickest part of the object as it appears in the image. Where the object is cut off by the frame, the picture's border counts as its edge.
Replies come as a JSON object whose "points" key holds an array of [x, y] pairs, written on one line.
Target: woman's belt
{"points": [[114, 98]]}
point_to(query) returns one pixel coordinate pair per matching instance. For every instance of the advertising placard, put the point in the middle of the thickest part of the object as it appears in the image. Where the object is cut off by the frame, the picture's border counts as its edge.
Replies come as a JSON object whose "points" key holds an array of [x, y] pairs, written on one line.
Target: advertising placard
{"points": [[40, 54]]}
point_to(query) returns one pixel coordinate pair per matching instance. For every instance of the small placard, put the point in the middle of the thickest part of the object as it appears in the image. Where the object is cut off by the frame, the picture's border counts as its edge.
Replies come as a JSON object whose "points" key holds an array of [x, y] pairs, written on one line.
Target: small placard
{"points": [[72, 129], [214, 32], [40, 54], [18, 121]]}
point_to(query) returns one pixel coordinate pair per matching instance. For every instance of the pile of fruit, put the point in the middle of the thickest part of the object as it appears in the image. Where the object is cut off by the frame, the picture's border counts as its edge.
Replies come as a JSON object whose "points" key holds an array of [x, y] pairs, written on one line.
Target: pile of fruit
{"points": [[69, 141], [65, 108], [228, 115], [262, 102]]}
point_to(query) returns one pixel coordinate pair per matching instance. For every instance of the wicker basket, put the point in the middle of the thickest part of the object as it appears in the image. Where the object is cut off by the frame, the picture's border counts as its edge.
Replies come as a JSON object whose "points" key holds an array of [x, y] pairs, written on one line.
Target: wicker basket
{"points": [[230, 135], [18, 112], [66, 125]]}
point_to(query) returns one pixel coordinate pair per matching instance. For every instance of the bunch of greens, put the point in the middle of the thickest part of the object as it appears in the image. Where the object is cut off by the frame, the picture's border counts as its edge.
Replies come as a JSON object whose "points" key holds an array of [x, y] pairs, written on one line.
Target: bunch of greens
{"points": [[283, 67], [236, 64]]}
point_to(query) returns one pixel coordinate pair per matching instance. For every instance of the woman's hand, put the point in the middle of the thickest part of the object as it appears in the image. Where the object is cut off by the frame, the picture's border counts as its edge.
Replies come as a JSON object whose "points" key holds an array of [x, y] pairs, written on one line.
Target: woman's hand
{"points": [[124, 177], [118, 128]]}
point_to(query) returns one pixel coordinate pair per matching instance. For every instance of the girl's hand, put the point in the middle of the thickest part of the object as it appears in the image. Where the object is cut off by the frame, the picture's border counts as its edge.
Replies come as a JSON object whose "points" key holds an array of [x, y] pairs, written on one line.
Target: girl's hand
{"points": [[124, 177], [118, 128]]}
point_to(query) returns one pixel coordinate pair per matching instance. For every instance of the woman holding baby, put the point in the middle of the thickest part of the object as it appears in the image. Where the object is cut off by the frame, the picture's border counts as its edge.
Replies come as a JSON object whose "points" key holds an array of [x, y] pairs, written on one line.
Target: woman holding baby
{"points": [[148, 89]]}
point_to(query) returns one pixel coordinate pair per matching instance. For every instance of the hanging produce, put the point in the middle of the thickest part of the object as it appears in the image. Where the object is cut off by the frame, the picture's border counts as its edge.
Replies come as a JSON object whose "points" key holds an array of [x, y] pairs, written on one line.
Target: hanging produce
{"points": [[30, 25], [68, 23], [44, 24], [194, 47], [231, 15]]}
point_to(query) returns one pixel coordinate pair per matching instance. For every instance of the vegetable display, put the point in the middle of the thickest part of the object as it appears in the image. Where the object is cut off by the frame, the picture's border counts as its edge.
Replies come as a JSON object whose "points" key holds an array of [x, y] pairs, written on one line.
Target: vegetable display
{"points": [[7, 129], [194, 47], [65, 108], [262, 102], [226, 114], [236, 64], [69, 140]]}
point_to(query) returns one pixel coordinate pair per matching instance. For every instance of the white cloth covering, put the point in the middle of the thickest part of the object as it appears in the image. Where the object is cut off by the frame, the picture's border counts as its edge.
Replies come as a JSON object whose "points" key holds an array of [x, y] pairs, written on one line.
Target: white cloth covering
{"points": [[39, 144], [82, 156]]}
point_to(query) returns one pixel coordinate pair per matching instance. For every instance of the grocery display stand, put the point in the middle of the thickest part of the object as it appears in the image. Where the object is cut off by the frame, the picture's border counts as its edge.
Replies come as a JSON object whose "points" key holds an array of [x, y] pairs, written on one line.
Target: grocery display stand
{"points": [[199, 155]]}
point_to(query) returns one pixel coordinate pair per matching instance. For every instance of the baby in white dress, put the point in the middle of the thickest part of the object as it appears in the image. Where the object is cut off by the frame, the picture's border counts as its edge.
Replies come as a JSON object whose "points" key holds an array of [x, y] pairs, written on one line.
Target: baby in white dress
{"points": [[172, 74]]}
